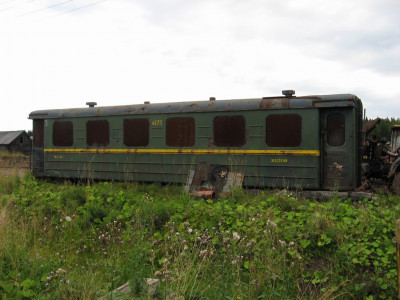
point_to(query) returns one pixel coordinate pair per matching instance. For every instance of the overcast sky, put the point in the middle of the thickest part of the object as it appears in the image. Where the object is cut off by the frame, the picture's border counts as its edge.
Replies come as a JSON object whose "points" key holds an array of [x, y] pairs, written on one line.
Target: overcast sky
{"points": [[63, 53]]}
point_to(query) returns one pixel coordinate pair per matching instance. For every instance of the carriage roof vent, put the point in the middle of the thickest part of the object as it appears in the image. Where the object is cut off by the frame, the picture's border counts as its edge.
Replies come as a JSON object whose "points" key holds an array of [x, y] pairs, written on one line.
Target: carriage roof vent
{"points": [[91, 104], [288, 93], [146, 102], [212, 99]]}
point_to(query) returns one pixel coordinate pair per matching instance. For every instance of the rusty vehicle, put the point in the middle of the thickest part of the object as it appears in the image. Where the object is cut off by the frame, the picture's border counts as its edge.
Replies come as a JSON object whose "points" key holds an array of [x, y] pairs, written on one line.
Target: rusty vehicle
{"points": [[381, 160], [308, 142]]}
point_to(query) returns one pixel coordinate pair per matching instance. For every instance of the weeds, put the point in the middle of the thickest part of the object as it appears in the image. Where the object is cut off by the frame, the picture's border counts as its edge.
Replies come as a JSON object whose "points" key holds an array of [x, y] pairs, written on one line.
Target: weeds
{"points": [[68, 241]]}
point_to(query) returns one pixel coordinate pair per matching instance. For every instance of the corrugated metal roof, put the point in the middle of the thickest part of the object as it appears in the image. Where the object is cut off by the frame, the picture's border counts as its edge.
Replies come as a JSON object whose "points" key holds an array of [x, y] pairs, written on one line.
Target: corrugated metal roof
{"points": [[203, 106], [6, 137]]}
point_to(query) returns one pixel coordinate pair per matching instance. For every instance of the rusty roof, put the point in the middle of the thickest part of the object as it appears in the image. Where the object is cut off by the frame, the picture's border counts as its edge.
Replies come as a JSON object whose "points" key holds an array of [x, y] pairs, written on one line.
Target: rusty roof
{"points": [[317, 101]]}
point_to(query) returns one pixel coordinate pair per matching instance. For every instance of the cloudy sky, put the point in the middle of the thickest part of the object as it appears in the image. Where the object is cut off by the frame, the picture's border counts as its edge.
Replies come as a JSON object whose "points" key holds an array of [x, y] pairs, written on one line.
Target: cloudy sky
{"points": [[63, 53]]}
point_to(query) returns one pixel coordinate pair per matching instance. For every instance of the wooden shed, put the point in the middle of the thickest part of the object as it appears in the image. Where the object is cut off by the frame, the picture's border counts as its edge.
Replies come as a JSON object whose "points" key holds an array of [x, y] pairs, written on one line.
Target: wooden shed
{"points": [[15, 141]]}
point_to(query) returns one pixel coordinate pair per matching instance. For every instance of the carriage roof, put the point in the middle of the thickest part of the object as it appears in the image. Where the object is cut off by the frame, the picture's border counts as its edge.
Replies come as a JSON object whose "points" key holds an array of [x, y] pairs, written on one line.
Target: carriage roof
{"points": [[315, 101]]}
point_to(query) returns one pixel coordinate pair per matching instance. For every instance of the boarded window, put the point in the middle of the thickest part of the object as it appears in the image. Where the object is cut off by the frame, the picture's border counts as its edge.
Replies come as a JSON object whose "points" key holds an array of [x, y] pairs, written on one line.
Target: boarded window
{"points": [[229, 131], [336, 132], [136, 132], [63, 135], [97, 133], [38, 133], [180, 132], [283, 130]]}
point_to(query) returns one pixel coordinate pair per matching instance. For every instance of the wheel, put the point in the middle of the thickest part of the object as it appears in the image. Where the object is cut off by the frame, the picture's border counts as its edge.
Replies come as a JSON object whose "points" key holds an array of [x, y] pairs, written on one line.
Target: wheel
{"points": [[396, 184]]}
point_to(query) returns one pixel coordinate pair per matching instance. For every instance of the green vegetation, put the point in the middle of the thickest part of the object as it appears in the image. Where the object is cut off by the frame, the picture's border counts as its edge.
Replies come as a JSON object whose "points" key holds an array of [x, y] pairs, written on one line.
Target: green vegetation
{"points": [[383, 129], [11, 154], [80, 241]]}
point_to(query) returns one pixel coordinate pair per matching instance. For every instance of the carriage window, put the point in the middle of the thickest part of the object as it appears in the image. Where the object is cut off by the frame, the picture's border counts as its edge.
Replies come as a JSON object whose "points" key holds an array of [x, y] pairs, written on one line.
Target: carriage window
{"points": [[336, 132], [283, 130], [97, 133], [63, 135], [229, 131], [180, 132], [136, 132]]}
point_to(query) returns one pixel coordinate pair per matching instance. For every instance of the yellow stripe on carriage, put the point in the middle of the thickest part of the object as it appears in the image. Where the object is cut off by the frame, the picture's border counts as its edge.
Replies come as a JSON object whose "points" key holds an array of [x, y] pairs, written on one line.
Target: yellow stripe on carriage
{"points": [[188, 151]]}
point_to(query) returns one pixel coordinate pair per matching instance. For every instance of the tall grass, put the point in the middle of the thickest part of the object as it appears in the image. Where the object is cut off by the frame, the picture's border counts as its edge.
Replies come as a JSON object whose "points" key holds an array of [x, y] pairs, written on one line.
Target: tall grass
{"points": [[81, 241]]}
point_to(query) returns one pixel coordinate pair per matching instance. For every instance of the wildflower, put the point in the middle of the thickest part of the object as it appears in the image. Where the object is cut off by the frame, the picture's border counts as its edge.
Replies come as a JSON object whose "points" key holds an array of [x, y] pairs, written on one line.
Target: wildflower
{"points": [[255, 282], [248, 245], [236, 236], [158, 273], [234, 262], [68, 219], [282, 243], [203, 252]]}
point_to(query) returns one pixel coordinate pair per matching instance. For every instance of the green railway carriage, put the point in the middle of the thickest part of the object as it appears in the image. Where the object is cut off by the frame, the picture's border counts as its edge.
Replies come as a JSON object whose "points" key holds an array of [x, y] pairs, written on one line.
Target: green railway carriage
{"points": [[309, 142]]}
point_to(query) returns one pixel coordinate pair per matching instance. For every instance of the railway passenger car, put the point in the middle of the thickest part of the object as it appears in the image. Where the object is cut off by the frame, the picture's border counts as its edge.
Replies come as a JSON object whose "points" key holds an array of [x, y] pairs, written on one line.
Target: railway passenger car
{"points": [[308, 142]]}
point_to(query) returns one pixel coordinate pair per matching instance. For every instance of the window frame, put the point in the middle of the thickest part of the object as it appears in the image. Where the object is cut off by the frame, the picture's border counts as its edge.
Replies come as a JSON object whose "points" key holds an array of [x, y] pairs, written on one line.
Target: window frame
{"points": [[339, 131], [127, 138], [59, 138], [280, 136], [226, 131], [93, 139], [185, 138]]}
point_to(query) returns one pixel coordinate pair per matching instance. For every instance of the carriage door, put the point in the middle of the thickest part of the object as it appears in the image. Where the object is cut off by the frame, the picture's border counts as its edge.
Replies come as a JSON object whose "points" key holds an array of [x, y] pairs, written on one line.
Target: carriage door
{"points": [[337, 143], [37, 149]]}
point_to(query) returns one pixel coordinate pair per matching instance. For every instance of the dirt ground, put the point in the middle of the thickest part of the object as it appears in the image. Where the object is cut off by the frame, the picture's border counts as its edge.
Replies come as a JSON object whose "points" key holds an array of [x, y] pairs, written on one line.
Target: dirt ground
{"points": [[11, 166]]}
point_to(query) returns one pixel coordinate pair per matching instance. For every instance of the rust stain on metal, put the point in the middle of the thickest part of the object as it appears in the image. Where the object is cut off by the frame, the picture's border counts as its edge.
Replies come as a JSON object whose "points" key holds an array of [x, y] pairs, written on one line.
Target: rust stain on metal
{"points": [[204, 194], [277, 103]]}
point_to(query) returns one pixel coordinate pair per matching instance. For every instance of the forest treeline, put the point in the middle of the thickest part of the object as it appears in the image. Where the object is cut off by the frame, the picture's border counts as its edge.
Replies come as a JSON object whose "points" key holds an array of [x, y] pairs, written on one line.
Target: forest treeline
{"points": [[384, 127]]}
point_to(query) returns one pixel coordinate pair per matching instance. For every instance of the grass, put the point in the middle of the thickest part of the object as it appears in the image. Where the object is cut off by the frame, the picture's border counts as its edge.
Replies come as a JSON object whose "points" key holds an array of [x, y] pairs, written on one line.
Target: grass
{"points": [[82, 241], [11, 154]]}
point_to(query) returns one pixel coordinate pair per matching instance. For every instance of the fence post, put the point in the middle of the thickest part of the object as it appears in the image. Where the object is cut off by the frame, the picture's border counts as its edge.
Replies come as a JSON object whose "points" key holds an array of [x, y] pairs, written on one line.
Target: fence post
{"points": [[397, 238]]}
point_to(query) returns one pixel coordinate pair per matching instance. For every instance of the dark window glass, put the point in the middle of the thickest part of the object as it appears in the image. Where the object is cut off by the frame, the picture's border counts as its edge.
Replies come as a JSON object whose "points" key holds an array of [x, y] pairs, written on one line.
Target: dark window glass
{"points": [[229, 131], [283, 130], [38, 133], [336, 132], [180, 132], [97, 133], [136, 132], [63, 135]]}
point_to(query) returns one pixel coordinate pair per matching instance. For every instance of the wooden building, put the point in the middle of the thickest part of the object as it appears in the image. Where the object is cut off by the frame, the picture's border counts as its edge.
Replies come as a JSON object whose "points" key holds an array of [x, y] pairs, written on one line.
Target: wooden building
{"points": [[15, 141]]}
